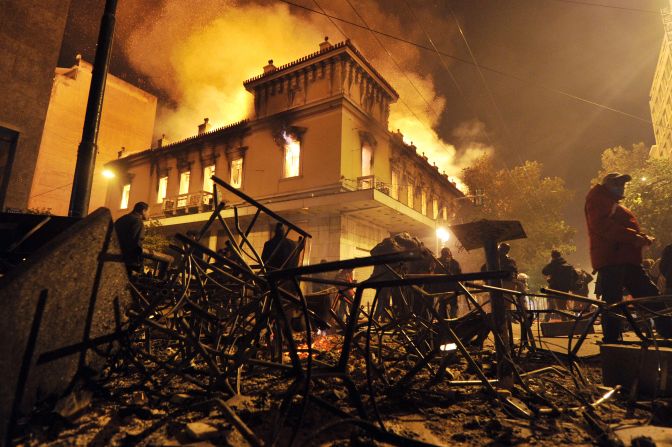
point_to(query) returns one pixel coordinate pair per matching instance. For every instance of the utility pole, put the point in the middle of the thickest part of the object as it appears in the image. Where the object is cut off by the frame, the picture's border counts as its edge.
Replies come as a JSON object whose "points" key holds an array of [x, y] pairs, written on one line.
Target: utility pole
{"points": [[88, 148]]}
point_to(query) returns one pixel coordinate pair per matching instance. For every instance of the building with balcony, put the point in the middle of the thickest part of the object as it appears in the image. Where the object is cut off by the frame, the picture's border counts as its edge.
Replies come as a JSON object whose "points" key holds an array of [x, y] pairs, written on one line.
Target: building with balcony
{"points": [[660, 98], [317, 151], [126, 125]]}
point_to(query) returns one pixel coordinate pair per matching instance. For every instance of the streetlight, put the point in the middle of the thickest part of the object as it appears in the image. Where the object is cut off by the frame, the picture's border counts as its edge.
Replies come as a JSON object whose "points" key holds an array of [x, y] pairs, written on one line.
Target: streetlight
{"points": [[442, 236], [108, 173]]}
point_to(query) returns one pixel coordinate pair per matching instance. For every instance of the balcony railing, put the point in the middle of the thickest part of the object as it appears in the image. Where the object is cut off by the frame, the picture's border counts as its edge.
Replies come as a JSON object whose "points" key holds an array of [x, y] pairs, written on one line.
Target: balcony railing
{"points": [[195, 202], [370, 182]]}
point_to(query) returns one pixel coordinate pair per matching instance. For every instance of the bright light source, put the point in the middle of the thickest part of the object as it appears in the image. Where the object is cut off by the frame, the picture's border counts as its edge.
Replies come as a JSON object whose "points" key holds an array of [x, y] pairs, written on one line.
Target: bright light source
{"points": [[107, 173], [442, 234], [643, 179], [449, 347]]}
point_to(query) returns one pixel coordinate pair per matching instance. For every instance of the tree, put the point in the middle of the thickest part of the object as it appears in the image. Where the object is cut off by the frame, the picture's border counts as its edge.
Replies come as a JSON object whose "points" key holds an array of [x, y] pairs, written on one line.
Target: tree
{"points": [[523, 193], [649, 194]]}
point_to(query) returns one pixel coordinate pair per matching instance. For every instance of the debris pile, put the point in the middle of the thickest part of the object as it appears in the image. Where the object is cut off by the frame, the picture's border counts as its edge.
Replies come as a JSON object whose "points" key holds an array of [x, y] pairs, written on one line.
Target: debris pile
{"points": [[224, 349]]}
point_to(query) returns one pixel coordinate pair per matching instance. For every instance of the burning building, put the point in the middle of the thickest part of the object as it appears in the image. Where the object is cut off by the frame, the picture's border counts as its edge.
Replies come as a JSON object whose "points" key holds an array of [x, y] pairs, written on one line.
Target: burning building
{"points": [[317, 150]]}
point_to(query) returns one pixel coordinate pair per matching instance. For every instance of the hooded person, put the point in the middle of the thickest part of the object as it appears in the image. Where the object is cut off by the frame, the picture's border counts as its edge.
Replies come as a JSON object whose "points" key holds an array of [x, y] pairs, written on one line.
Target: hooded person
{"points": [[616, 244]]}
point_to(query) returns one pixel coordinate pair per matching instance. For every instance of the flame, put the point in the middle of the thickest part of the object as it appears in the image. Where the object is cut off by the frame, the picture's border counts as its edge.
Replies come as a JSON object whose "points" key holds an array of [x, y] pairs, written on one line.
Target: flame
{"points": [[201, 55]]}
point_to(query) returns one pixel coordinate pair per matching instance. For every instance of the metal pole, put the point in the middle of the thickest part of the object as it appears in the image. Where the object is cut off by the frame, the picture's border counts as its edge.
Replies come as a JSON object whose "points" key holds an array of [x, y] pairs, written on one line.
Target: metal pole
{"points": [[499, 316], [86, 153]]}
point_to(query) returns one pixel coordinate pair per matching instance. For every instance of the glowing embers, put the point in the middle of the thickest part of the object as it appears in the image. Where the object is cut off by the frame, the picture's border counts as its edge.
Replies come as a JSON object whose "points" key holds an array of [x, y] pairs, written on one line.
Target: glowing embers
{"points": [[291, 156]]}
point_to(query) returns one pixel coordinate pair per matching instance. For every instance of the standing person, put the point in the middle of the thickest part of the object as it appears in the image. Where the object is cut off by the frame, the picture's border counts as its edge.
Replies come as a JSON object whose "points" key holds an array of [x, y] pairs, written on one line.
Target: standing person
{"points": [[581, 287], [584, 278], [279, 251], [561, 276], [345, 294], [449, 266], [616, 243], [506, 262], [130, 230], [666, 269]]}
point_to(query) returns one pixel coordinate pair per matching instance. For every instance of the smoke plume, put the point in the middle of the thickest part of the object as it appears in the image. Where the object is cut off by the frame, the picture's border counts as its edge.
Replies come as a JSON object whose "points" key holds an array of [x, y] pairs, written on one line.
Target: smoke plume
{"points": [[199, 54]]}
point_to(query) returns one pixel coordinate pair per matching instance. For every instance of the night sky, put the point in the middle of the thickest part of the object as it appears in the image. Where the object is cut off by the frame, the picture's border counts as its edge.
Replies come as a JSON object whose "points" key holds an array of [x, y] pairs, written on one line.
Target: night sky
{"points": [[603, 54]]}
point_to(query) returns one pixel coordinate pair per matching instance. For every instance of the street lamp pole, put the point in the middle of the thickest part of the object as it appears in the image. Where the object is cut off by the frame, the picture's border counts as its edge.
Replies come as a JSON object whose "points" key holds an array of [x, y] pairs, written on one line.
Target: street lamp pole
{"points": [[86, 153]]}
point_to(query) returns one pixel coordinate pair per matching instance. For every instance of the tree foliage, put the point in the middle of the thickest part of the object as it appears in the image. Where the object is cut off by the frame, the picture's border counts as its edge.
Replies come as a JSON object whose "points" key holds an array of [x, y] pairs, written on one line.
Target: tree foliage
{"points": [[523, 193], [649, 194]]}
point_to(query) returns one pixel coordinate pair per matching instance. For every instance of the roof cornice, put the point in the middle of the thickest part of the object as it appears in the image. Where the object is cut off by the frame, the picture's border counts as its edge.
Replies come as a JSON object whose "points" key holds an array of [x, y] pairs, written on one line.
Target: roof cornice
{"points": [[323, 54]]}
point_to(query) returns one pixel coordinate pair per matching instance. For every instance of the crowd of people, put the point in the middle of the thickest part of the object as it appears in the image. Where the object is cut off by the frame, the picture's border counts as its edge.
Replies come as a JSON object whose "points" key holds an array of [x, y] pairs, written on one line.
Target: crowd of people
{"points": [[616, 239]]}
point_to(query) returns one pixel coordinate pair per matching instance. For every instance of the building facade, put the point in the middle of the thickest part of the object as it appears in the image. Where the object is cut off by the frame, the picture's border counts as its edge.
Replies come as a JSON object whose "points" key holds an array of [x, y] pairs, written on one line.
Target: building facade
{"points": [[31, 34], [317, 151], [660, 98], [127, 124]]}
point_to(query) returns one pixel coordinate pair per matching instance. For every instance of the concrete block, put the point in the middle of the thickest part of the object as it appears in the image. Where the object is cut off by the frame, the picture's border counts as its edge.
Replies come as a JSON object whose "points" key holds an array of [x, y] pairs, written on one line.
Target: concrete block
{"points": [[80, 297], [629, 366], [564, 328]]}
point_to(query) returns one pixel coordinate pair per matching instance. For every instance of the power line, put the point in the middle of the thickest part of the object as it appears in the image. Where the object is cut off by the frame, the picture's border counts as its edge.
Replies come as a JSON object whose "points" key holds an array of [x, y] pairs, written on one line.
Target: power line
{"points": [[411, 111], [498, 111], [602, 5], [450, 73], [340, 30], [396, 64], [483, 67]]}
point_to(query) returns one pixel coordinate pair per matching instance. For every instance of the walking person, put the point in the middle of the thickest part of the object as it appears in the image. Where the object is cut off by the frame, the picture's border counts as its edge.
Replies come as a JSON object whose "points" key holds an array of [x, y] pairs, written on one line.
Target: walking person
{"points": [[448, 266], [561, 276], [616, 244]]}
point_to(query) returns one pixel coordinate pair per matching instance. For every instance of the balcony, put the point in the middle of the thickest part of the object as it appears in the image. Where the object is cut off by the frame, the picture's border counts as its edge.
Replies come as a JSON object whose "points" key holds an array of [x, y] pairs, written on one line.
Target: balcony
{"points": [[370, 182], [196, 202]]}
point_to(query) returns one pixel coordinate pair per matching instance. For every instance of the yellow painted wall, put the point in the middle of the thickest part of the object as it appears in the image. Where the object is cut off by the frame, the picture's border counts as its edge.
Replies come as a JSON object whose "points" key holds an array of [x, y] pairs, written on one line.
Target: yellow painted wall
{"points": [[127, 120]]}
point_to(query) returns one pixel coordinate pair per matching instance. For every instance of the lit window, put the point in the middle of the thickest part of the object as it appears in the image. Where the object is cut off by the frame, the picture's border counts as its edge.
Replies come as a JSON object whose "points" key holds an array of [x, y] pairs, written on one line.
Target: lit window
{"points": [[184, 189], [423, 202], [163, 186], [445, 213], [292, 156], [237, 173], [184, 182], [367, 157], [409, 194], [125, 196], [395, 186], [435, 208], [208, 172]]}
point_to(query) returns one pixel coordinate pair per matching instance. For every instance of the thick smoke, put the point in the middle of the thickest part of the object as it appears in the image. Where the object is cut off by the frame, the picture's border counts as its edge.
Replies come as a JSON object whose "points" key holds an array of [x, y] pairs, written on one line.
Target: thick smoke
{"points": [[200, 54]]}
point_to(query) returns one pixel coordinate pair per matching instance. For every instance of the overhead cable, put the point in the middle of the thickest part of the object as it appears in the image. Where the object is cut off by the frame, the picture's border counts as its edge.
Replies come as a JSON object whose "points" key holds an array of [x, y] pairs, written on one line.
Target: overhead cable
{"points": [[483, 67]]}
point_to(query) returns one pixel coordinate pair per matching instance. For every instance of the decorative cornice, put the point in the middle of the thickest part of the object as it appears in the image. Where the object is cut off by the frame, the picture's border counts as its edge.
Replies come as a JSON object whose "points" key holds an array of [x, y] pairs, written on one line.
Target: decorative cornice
{"points": [[336, 48]]}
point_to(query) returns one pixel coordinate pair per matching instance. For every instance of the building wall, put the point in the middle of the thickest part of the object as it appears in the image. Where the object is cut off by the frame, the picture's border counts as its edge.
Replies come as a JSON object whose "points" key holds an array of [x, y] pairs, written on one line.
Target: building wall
{"points": [[127, 121], [31, 33], [661, 92]]}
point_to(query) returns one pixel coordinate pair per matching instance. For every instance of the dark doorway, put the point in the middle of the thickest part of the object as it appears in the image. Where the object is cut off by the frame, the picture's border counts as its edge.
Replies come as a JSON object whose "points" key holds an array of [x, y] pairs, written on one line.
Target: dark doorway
{"points": [[8, 140]]}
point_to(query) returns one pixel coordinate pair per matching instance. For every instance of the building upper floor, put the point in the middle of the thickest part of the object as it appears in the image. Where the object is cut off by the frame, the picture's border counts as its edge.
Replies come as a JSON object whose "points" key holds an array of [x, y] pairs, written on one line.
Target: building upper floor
{"points": [[660, 96], [324, 145]]}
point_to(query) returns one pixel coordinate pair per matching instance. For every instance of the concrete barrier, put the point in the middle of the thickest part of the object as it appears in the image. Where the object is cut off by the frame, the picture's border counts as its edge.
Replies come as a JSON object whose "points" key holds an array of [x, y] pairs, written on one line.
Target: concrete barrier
{"points": [[66, 294]]}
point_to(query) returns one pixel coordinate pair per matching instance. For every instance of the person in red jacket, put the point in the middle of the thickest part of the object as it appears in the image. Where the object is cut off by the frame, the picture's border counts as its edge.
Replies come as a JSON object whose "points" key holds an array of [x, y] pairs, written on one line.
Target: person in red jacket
{"points": [[616, 243]]}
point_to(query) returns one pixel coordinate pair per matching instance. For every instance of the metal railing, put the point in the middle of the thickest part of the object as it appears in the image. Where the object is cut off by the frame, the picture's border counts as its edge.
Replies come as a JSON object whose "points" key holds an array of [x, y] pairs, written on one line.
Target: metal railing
{"points": [[195, 202]]}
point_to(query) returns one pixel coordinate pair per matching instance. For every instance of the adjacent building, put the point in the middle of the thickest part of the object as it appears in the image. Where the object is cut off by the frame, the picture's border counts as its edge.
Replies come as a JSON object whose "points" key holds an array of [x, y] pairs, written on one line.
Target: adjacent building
{"points": [[31, 34], [660, 100], [317, 150], [127, 125]]}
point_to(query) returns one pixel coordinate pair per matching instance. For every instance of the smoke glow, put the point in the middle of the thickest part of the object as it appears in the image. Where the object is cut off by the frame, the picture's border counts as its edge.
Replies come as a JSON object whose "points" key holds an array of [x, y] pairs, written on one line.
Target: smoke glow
{"points": [[200, 54]]}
